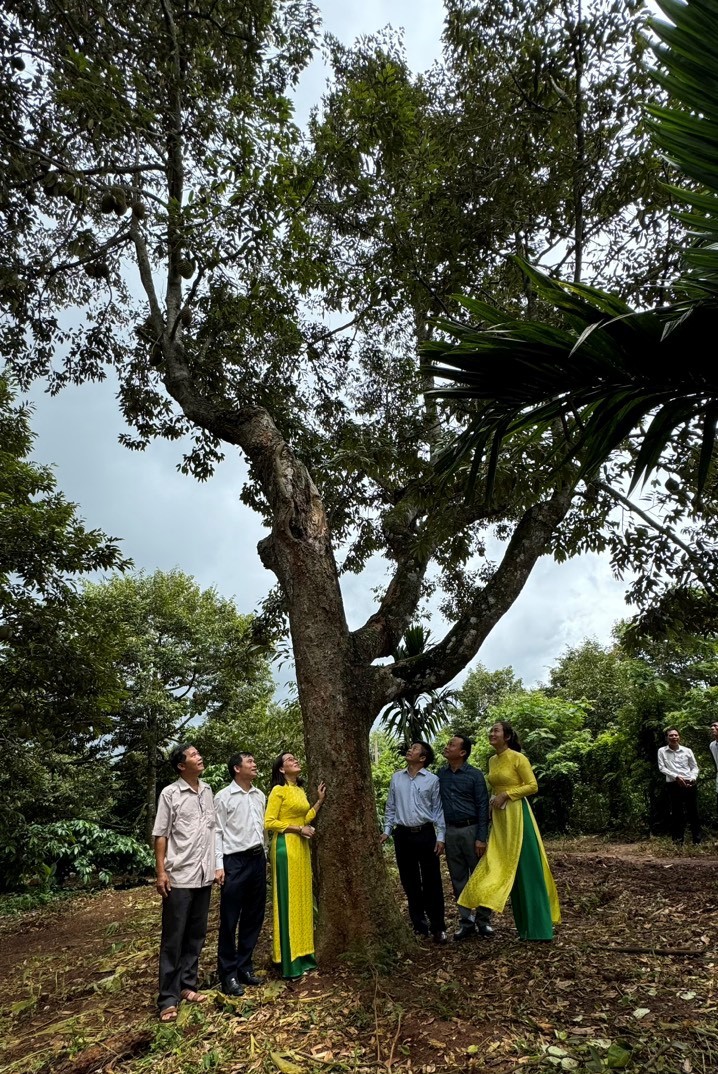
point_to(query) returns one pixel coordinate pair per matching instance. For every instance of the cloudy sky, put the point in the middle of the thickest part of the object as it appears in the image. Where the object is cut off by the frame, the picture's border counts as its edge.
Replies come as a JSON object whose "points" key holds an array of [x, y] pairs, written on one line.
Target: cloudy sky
{"points": [[167, 520]]}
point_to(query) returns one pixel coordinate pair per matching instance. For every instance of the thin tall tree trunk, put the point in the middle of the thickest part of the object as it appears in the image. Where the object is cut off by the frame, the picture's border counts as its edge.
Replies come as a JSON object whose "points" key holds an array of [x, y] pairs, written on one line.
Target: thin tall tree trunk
{"points": [[579, 175], [151, 781]]}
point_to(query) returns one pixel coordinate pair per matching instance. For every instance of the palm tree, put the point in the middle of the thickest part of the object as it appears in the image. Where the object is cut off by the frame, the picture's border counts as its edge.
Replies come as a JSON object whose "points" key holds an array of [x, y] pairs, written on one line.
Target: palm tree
{"points": [[417, 717], [607, 367]]}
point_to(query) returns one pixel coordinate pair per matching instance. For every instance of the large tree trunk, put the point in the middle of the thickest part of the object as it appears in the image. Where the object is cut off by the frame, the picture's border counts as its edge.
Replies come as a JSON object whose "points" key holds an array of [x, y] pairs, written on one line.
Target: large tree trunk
{"points": [[357, 906]]}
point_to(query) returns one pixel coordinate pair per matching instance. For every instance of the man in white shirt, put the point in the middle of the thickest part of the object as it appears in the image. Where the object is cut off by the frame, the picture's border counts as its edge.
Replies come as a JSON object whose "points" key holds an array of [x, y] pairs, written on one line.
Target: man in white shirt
{"points": [[680, 768], [241, 872], [714, 751]]}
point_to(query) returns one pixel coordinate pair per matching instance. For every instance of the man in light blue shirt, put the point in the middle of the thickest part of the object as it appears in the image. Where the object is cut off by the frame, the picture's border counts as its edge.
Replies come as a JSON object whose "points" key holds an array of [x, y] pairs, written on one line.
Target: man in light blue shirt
{"points": [[416, 820]]}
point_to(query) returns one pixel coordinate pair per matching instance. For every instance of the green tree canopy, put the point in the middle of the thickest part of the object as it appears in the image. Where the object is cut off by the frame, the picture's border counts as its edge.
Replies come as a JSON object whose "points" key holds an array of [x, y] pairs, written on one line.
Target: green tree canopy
{"points": [[57, 683], [481, 691], [184, 656]]}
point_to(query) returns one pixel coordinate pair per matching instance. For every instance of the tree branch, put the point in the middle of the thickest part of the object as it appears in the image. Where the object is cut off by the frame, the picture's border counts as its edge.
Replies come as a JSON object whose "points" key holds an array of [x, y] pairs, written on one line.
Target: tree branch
{"points": [[695, 560], [442, 662], [175, 171], [148, 284], [381, 633]]}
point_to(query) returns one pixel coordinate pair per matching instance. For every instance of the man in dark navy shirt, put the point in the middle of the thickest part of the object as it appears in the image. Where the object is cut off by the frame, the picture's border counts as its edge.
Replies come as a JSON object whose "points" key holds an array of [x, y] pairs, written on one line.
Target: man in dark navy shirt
{"points": [[465, 801]]}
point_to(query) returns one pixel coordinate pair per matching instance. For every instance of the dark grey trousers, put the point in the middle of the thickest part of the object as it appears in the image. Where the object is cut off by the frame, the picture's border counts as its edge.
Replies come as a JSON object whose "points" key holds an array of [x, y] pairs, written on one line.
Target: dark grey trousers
{"points": [[184, 930], [462, 860]]}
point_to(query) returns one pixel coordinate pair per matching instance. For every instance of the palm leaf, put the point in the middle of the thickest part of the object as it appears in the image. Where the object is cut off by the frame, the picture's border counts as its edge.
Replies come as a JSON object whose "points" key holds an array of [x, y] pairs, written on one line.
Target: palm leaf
{"points": [[608, 368]]}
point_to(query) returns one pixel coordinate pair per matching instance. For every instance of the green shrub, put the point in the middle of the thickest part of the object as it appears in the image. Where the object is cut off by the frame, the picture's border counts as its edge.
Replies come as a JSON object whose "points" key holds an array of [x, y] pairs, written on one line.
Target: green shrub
{"points": [[31, 900], [79, 851]]}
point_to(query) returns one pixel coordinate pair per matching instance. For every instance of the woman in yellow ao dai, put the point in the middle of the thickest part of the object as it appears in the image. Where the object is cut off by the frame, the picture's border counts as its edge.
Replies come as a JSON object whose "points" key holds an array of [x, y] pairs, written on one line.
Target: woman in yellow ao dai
{"points": [[288, 816], [515, 863]]}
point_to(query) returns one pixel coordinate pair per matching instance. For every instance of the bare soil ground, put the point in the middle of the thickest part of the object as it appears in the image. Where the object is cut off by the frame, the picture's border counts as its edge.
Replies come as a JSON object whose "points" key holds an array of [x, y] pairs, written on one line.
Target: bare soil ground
{"points": [[629, 983]]}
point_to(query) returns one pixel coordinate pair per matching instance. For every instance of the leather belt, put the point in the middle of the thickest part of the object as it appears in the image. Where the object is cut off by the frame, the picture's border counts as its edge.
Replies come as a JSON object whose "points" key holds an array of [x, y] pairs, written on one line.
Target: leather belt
{"points": [[414, 827], [259, 849], [461, 823]]}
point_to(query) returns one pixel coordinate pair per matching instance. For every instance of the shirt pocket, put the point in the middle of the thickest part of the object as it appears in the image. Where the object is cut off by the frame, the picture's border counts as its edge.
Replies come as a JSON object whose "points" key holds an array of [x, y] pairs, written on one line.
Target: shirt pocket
{"points": [[185, 821]]}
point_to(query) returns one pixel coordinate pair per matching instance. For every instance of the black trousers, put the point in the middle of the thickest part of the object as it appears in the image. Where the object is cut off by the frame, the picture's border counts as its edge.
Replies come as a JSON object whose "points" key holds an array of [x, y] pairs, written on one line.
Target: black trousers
{"points": [[684, 809], [184, 930], [241, 911], [420, 875]]}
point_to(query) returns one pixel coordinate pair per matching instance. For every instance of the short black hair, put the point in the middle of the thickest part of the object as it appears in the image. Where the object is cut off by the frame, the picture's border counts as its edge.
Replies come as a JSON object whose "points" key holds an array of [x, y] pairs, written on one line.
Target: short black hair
{"points": [[236, 760], [428, 753], [466, 744], [177, 757]]}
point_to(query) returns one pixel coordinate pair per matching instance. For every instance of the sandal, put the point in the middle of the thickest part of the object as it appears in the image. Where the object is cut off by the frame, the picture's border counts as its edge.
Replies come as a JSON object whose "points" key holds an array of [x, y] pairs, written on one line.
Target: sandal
{"points": [[190, 996], [168, 1014]]}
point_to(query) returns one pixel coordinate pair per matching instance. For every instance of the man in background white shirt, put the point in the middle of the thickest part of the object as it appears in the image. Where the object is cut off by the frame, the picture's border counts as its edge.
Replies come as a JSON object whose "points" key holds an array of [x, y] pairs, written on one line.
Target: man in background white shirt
{"points": [[680, 768], [241, 872]]}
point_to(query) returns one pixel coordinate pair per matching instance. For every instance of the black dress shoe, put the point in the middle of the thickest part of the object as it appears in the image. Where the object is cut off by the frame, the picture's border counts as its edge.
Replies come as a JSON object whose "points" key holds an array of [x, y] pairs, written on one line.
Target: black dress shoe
{"points": [[248, 977], [465, 930], [440, 937], [484, 930], [232, 987]]}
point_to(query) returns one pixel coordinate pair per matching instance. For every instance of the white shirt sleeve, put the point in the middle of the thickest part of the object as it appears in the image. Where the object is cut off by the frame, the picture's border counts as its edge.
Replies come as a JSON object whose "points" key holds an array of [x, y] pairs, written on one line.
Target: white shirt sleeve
{"points": [[220, 812]]}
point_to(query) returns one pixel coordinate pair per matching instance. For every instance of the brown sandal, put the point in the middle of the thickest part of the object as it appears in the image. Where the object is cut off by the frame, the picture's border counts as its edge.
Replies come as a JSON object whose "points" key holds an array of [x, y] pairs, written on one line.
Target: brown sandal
{"points": [[190, 996], [168, 1014]]}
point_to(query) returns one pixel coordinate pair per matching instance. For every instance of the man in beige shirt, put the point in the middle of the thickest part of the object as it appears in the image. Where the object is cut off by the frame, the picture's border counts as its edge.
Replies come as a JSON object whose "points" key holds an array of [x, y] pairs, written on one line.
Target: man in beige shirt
{"points": [[184, 857]]}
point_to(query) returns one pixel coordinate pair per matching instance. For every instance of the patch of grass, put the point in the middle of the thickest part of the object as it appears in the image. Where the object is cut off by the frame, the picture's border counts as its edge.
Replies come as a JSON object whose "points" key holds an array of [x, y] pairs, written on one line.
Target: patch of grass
{"points": [[23, 902]]}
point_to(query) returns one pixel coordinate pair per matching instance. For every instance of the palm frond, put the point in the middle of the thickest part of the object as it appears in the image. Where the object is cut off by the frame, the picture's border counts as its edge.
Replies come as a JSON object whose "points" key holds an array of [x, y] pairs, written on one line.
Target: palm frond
{"points": [[607, 369]]}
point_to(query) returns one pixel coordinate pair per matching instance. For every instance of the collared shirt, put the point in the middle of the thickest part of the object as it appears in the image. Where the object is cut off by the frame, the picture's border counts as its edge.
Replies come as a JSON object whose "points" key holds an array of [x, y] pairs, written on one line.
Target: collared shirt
{"points": [[678, 762], [413, 801], [240, 820], [714, 751], [464, 797], [186, 820]]}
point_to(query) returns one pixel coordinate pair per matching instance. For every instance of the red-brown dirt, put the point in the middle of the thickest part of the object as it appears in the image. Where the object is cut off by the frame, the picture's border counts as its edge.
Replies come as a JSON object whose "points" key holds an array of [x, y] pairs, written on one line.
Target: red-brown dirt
{"points": [[630, 979]]}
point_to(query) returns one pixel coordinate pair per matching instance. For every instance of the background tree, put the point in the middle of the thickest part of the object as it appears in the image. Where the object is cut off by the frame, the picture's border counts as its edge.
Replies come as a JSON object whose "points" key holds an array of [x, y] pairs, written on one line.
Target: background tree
{"points": [[594, 673], [417, 716], [57, 685], [184, 656], [161, 138], [267, 728], [481, 691]]}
